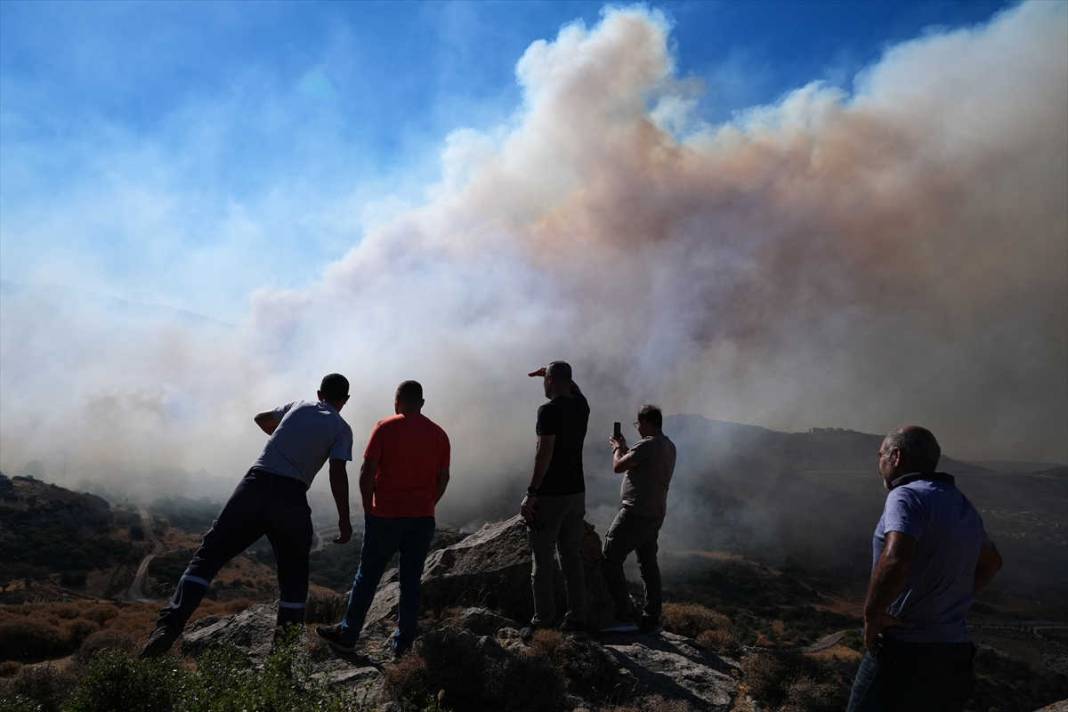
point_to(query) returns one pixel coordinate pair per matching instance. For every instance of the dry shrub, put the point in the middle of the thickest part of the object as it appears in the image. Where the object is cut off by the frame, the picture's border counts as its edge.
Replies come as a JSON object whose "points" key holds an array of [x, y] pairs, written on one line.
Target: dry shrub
{"points": [[9, 668], [100, 614], [77, 631], [692, 619], [325, 607], [476, 673], [807, 695], [406, 680], [46, 685], [792, 682], [652, 703], [66, 611], [30, 640], [720, 640], [546, 641], [765, 675], [104, 640]]}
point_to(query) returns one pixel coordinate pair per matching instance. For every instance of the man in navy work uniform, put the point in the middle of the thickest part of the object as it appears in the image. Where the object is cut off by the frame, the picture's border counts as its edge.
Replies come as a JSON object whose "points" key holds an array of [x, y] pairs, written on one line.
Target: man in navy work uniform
{"points": [[555, 503], [271, 501], [931, 557]]}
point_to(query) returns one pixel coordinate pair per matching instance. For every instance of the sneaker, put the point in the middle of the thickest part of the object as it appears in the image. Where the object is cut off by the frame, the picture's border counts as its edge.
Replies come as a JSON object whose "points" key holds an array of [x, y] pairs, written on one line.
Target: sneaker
{"points": [[337, 637], [160, 641]]}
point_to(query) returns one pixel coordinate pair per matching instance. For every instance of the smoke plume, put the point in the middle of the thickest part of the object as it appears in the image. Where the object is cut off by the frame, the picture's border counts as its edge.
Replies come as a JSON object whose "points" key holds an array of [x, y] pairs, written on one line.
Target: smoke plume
{"points": [[897, 253]]}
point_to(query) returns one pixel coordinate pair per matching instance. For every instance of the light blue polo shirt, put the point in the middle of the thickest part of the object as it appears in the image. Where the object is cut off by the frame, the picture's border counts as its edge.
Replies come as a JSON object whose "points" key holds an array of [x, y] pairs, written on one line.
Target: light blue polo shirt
{"points": [[307, 435], [949, 534]]}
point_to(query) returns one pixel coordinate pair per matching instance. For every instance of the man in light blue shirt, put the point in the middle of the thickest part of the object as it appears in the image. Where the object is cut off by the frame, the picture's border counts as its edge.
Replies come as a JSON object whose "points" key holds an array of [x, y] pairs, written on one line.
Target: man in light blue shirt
{"points": [[931, 555], [271, 501]]}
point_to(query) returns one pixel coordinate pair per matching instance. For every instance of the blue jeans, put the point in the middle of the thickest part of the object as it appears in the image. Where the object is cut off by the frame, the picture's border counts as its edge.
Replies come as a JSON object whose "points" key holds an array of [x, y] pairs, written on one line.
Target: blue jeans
{"points": [[914, 677], [383, 537]]}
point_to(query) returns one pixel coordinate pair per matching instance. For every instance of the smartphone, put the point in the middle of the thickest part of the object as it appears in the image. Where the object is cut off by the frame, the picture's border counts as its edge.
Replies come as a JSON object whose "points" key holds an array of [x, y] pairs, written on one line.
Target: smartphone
{"points": [[617, 430]]}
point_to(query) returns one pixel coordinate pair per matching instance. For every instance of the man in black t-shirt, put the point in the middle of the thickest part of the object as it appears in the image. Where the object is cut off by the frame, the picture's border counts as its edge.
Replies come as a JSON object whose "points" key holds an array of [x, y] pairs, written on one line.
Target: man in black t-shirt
{"points": [[555, 503]]}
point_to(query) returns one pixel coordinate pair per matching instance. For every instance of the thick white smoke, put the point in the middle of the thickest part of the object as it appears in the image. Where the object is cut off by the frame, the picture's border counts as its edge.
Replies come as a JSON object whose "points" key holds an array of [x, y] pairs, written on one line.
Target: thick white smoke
{"points": [[897, 254]]}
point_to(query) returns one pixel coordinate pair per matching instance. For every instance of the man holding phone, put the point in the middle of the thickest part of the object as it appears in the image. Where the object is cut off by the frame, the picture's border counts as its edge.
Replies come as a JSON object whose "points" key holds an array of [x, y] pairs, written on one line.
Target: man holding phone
{"points": [[555, 503], [647, 469]]}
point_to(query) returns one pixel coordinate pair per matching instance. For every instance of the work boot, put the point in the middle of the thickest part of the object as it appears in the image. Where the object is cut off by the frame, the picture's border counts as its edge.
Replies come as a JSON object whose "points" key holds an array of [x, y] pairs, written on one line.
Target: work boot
{"points": [[337, 637], [160, 641]]}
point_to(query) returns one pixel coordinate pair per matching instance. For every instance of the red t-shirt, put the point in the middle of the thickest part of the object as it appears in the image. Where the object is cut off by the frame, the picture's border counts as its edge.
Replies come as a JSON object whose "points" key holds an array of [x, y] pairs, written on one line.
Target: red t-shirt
{"points": [[411, 451]]}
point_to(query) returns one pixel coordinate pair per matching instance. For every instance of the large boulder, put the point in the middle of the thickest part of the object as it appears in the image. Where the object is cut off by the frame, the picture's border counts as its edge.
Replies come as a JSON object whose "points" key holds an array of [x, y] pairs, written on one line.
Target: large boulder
{"points": [[251, 630], [491, 568]]}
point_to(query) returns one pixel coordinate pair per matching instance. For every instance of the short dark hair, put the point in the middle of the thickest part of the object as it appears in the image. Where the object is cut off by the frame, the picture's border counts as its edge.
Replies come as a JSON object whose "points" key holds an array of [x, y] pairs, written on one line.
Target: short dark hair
{"points": [[334, 387], [410, 392], [651, 414], [918, 446], [559, 369]]}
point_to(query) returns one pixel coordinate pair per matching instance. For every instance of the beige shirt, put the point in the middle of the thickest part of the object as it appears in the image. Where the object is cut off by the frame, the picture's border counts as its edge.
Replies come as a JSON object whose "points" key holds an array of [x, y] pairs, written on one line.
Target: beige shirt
{"points": [[645, 485]]}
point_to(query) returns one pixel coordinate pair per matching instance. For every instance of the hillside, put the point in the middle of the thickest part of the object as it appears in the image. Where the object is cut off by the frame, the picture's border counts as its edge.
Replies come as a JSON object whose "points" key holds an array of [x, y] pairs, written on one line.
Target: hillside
{"points": [[76, 540]]}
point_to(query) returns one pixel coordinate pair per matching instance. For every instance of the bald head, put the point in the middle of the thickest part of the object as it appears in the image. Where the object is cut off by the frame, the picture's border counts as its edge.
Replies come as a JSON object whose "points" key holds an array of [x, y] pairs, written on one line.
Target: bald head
{"points": [[919, 449]]}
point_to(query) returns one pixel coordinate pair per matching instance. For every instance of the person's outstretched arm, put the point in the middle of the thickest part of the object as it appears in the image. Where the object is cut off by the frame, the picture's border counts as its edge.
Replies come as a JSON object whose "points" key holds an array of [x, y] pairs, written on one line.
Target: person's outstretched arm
{"points": [[987, 566], [339, 487], [268, 420]]}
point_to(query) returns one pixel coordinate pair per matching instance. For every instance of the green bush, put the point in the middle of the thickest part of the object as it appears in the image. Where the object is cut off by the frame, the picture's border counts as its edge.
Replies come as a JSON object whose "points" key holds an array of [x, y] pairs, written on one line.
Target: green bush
{"points": [[18, 703], [225, 680]]}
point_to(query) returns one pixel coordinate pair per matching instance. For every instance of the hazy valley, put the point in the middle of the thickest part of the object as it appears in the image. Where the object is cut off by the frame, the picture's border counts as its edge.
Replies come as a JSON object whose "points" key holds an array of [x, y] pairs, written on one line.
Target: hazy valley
{"points": [[765, 555]]}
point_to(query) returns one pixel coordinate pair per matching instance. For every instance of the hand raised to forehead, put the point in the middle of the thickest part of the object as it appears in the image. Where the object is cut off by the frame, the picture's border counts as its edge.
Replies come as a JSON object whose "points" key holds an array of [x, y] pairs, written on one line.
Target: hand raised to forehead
{"points": [[539, 373]]}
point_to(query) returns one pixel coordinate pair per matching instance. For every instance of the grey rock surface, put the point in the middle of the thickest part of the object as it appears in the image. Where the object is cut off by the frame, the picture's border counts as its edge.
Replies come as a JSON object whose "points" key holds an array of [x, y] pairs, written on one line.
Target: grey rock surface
{"points": [[491, 569]]}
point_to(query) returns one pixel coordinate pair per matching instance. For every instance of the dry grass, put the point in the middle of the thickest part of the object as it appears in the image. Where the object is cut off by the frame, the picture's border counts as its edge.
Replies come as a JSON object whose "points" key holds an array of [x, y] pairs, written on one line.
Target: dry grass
{"points": [[719, 640], [45, 631], [652, 703], [692, 619], [406, 679], [546, 641]]}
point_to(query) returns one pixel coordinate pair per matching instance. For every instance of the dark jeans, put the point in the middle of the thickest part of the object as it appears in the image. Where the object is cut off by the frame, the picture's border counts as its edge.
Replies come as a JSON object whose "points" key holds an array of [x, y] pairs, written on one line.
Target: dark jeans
{"points": [[262, 504], [383, 537], [914, 677], [631, 532]]}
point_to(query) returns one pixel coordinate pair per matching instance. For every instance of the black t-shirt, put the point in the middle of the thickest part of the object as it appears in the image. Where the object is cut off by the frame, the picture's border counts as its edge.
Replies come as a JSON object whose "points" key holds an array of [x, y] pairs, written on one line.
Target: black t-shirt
{"points": [[566, 417]]}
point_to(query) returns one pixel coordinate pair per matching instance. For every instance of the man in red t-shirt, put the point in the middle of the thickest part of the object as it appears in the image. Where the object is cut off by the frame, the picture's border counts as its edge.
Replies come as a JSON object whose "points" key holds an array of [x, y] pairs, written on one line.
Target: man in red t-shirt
{"points": [[404, 474]]}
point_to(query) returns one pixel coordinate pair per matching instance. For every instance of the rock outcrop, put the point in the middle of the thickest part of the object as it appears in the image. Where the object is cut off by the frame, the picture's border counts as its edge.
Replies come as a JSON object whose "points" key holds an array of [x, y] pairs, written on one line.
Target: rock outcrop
{"points": [[472, 656], [491, 568]]}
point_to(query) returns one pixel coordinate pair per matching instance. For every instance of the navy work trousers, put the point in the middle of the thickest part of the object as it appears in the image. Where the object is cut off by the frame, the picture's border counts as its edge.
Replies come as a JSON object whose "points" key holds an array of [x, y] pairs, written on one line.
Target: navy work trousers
{"points": [[914, 677], [383, 537], [263, 504]]}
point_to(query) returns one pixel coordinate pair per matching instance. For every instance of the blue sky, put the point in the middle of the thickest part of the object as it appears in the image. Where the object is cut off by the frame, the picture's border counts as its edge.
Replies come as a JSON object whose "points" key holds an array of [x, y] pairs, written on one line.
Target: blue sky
{"points": [[176, 154]]}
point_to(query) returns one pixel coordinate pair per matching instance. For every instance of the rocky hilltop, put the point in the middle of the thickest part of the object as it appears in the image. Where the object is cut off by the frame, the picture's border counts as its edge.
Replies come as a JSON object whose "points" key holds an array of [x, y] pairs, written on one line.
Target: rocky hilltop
{"points": [[470, 655], [49, 531]]}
